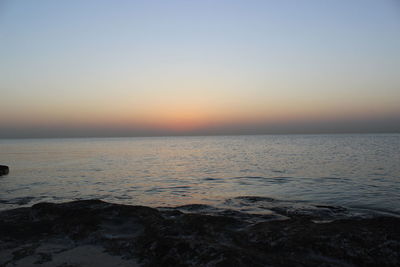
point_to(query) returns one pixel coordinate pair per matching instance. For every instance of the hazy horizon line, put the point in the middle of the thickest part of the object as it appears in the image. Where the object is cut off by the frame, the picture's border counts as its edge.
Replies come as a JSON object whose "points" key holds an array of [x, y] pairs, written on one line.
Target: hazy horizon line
{"points": [[197, 135], [351, 126]]}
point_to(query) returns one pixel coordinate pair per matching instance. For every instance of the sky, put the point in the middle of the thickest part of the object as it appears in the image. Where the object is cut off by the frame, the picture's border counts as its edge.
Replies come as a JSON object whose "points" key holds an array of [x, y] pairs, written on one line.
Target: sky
{"points": [[150, 68]]}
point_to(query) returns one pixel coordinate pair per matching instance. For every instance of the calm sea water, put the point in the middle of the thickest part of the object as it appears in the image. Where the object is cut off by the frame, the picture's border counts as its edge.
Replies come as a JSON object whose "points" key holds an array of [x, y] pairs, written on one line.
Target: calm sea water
{"points": [[358, 171]]}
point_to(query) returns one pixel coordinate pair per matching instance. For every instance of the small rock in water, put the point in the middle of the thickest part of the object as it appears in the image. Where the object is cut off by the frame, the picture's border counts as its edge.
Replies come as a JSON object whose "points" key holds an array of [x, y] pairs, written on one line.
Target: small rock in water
{"points": [[4, 170]]}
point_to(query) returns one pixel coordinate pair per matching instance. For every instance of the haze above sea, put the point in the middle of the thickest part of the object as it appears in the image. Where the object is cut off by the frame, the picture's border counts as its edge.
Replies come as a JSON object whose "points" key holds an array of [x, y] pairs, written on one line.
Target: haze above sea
{"points": [[350, 170]]}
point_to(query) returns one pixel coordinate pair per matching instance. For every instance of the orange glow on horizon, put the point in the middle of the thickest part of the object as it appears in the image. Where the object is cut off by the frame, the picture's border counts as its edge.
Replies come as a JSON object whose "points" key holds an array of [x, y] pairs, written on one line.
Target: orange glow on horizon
{"points": [[191, 114]]}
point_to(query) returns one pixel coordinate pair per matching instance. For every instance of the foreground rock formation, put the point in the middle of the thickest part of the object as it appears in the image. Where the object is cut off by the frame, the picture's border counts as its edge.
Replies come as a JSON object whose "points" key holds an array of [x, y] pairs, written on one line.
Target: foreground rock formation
{"points": [[4, 170], [96, 233]]}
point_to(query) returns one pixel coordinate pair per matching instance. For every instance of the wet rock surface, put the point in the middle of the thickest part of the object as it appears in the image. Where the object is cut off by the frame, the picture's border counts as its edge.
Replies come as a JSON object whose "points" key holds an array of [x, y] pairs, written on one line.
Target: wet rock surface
{"points": [[60, 234], [4, 170]]}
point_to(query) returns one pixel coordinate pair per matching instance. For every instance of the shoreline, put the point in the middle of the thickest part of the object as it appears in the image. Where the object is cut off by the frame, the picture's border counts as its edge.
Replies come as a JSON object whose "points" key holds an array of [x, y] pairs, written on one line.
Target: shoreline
{"points": [[97, 233]]}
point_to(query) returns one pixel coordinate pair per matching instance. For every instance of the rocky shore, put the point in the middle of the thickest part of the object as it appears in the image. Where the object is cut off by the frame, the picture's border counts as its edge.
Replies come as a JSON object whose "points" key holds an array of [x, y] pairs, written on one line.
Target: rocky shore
{"points": [[97, 233]]}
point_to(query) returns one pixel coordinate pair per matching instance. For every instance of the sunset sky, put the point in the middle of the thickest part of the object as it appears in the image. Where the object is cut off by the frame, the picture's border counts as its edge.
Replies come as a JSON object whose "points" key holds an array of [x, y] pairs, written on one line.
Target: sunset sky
{"points": [[132, 68]]}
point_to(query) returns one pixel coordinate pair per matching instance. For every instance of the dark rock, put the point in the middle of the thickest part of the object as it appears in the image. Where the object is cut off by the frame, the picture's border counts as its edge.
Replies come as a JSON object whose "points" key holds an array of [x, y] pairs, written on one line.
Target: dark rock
{"points": [[174, 238], [4, 170]]}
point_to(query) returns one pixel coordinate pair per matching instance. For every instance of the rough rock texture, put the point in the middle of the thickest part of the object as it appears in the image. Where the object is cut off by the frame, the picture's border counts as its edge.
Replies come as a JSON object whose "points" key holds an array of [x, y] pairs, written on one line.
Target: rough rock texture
{"points": [[137, 235], [4, 170]]}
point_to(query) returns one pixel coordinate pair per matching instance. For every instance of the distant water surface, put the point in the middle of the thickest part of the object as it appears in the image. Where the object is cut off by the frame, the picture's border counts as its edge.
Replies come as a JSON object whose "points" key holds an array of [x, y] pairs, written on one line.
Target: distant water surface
{"points": [[357, 171]]}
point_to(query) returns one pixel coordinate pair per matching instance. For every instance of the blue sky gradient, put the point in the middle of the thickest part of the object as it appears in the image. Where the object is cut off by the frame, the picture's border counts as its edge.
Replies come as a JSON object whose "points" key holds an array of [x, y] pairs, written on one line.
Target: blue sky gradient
{"points": [[205, 67]]}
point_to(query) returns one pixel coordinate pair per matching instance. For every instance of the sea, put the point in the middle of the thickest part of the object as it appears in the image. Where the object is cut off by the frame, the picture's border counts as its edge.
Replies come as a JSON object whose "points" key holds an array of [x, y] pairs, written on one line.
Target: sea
{"points": [[355, 171]]}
